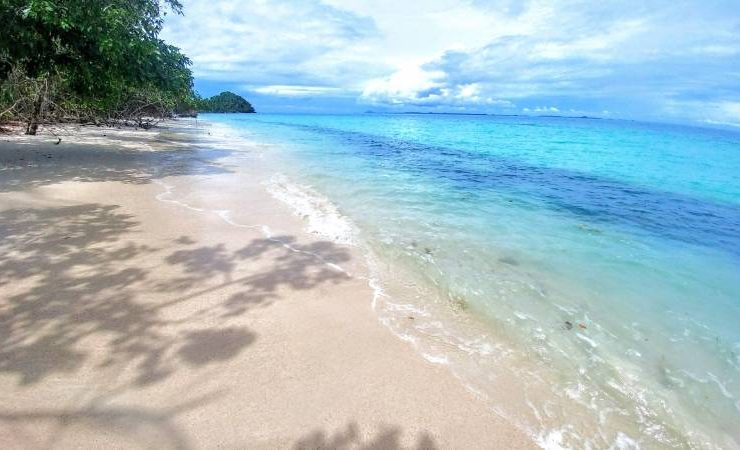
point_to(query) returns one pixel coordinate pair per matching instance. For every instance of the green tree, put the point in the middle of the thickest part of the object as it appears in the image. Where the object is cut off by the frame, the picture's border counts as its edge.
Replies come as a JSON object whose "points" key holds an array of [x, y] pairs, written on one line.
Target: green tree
{"points": [[106, 54]]}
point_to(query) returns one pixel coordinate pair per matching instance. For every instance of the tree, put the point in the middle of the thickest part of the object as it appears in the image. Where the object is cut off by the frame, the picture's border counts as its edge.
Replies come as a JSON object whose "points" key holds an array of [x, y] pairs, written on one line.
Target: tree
{"points": [[104, 57]]}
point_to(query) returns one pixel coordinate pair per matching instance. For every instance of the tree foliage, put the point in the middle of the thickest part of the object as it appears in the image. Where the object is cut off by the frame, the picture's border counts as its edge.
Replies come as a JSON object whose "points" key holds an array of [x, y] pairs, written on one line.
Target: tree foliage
{"points": [[90, 60], [225, 102]]}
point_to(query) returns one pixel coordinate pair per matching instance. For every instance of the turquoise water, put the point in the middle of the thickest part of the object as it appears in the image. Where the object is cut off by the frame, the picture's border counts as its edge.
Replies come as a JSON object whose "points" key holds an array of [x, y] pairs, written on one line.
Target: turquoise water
{"points": [[602, 255]]}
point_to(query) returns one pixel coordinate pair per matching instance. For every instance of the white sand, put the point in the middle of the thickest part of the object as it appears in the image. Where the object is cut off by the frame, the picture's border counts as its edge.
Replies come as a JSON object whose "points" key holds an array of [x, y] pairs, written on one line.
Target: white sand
{"points": [[128, 320]]}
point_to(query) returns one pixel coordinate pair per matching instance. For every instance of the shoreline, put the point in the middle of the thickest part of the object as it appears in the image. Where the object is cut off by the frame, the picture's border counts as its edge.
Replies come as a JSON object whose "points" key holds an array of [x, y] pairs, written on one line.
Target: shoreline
{"points": [[535, 315], [131, 320]]}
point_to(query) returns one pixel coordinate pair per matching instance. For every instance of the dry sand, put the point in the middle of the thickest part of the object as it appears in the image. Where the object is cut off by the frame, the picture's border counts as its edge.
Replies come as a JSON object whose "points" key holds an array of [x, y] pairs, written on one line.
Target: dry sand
{"points": [[130, 321]]}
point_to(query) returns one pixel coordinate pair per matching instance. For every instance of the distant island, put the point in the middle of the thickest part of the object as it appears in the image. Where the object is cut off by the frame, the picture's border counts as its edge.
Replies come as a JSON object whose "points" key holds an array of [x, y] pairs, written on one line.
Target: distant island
{"points": [[225, 102]]}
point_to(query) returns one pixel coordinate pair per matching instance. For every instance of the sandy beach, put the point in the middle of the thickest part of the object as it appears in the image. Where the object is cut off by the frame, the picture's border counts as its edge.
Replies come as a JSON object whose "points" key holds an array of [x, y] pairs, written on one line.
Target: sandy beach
{"points": [[132, 316]]}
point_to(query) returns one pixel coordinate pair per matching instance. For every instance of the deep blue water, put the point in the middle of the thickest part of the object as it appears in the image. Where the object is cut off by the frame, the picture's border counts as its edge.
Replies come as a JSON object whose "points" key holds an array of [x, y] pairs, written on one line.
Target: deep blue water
{"points": [[595, 198], [629, 230]]}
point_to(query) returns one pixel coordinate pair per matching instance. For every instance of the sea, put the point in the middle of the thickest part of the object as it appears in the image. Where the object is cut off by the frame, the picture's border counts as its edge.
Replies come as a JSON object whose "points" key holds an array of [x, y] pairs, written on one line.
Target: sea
{"points": [[580, 275]]}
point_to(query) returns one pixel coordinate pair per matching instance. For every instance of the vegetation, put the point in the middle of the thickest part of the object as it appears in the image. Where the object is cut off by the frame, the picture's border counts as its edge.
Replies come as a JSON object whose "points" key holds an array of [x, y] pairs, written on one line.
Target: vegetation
{"points": [[94, 61], [225, 102]]}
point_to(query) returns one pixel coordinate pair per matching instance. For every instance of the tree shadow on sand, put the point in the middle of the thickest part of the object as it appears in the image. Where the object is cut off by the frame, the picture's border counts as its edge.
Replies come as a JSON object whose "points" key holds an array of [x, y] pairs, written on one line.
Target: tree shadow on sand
{"points": [[80, 289], [26, 165], [293, 265], [141, 427], [387, 438]]}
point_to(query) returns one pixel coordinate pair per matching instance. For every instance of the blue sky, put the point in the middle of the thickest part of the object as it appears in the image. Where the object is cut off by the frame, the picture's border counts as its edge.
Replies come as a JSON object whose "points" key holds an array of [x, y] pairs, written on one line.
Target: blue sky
{"points": [[676, 60]]}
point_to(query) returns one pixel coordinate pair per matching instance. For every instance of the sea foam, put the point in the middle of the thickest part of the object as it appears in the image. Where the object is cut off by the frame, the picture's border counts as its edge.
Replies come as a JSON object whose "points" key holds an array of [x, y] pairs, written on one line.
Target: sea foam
{"points": [[322, 217]]}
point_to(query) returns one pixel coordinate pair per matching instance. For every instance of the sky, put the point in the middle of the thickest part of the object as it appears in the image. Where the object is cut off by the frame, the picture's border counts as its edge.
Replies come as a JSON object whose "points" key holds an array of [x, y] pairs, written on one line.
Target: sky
{"points": [[665, 60]]}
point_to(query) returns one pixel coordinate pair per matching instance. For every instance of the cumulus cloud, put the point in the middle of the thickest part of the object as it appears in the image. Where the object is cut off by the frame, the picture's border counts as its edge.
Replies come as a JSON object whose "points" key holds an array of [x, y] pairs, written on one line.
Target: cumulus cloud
{"points": [[546, 109], [293, 91], [419, 87], [601, 55], [632, 58], [722, 112], [271, 42]]}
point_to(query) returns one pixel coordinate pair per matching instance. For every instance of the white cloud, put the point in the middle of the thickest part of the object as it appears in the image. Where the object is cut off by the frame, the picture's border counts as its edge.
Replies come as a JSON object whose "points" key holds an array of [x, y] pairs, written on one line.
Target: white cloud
{"points": [[545, 109], [630, 57], [718, 113], [416, 86], [711, 112], [293, 91], [403, 85], [271, 42]]}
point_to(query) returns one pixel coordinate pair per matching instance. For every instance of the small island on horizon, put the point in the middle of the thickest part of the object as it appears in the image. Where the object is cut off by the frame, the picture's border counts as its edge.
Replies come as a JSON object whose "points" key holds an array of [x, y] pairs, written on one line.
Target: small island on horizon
{"points": [[225, 102]]}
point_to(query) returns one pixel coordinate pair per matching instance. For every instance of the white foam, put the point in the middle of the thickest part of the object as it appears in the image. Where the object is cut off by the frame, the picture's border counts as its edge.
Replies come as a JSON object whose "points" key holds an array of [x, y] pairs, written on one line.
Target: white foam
{"points": [[163, 197], [322, 217], [553, 440], [436, 359], [624, 442], [225, 215], [587, 339]]}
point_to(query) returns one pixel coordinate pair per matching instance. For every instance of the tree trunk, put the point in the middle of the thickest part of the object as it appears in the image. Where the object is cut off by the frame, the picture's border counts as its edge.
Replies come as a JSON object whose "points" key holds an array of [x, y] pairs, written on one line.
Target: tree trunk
{"points": [[33, 121], [41, 98]]}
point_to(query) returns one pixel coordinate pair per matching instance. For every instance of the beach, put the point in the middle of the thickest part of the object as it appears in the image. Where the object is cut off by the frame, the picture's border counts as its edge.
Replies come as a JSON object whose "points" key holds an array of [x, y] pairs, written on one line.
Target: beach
{"points": [[135, 314], [587, 266], [324, 224]]}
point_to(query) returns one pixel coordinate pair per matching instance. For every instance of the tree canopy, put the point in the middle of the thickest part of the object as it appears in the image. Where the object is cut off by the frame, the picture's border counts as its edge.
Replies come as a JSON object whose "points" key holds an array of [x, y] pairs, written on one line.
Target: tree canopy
{"points": [[93, 59], [225, 102]]}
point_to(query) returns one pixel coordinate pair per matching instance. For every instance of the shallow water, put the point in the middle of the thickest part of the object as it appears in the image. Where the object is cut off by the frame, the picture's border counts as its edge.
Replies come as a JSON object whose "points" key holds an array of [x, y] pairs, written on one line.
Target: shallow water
{"points": [[593, 263]]}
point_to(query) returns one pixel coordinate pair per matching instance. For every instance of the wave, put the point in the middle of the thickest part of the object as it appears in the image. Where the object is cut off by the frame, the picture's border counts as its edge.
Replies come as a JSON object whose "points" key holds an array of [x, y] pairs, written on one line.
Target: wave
{"points": [[323, 218]]}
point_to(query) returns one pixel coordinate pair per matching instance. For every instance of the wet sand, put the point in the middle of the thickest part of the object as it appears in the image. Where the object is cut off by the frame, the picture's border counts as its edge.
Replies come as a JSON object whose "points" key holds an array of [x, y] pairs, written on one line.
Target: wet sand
{"points": [[130, 318]]}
